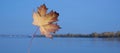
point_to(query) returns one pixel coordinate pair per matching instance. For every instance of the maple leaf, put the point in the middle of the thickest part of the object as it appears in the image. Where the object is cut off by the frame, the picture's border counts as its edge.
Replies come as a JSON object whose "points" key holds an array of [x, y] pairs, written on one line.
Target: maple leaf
{"points": [[46, 21]]}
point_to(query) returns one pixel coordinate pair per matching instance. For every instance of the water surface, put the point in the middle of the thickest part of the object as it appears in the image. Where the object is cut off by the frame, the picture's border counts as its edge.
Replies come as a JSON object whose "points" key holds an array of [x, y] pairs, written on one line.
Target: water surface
{"points": [[60, 45]]}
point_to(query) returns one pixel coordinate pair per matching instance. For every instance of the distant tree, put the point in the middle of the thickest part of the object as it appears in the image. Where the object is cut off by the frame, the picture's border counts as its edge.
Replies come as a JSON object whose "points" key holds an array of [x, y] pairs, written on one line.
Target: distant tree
{"points": [[108, 34], [95, 34], [118, 33]]}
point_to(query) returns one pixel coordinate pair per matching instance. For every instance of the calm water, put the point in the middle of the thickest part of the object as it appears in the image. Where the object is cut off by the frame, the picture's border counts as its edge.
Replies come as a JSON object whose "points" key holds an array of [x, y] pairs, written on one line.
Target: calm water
{"points": [[60, 45]]}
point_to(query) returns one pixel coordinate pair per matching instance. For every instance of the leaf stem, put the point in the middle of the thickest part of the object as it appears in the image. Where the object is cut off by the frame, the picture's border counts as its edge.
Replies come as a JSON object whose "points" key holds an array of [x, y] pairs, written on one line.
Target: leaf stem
{"points": [[30, 43]]}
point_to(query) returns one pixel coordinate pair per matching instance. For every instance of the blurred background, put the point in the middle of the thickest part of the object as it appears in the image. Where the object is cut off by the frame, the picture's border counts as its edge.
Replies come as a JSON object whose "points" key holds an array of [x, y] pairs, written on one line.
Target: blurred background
{"points": [[76, 16]]}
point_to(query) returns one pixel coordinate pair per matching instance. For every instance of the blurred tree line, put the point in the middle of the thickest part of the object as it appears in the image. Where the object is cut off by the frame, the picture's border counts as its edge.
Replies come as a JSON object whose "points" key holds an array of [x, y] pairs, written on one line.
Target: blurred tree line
{"points": [[94, 34]]}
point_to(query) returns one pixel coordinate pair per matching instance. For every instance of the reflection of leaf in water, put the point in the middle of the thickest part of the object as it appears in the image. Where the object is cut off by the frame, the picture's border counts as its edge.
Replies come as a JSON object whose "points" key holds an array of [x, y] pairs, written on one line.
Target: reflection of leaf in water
{"points": [[46, 21]]}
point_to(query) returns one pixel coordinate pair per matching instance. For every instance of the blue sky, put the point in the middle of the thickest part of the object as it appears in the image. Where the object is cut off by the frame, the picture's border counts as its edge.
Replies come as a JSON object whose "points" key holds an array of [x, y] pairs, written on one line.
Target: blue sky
{"points": [[76, 16]]}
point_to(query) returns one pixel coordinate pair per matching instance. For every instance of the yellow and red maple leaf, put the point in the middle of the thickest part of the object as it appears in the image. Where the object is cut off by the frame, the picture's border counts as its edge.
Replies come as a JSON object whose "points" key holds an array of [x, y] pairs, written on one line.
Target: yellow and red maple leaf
{"points": [[46, 21]]}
